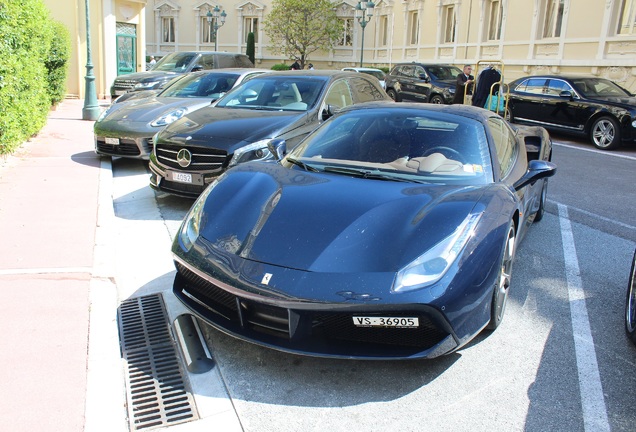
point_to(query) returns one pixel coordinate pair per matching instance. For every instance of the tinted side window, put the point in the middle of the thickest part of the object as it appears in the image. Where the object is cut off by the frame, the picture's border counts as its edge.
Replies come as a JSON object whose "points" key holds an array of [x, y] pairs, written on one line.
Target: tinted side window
{"points": [[417, 71], [532, 85], [243, 62], [339, 95], [365, 91], [555, 87], [206, 61], [505, 144]]}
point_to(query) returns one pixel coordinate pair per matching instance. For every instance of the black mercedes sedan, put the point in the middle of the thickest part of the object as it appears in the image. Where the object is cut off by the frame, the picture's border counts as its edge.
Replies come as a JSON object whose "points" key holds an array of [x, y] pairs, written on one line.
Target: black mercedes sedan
{"points": [[583, 105], [388, 233], [191, 152]]}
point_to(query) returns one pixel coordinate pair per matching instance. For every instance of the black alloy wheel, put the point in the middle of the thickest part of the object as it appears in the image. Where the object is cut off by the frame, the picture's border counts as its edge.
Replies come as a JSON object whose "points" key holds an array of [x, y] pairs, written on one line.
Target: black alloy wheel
{"points": [[630, 304], [502, 287], [605, 134], [392, 94], [437, 99]]}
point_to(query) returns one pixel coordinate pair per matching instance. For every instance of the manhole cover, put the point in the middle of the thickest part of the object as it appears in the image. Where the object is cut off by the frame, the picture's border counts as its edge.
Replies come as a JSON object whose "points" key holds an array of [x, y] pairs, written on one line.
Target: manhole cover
{"points": [[158, 394]]}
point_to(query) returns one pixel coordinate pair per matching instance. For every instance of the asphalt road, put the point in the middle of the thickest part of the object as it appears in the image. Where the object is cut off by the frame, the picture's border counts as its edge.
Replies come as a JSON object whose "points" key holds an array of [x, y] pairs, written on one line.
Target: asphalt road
{"points": [[559, 361]]}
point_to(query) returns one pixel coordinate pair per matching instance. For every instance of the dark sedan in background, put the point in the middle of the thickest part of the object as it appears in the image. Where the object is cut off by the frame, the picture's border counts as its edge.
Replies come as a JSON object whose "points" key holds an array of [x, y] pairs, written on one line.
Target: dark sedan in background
{"points": [[389, 232], [421, 82], [191, 152], [582, 105]]}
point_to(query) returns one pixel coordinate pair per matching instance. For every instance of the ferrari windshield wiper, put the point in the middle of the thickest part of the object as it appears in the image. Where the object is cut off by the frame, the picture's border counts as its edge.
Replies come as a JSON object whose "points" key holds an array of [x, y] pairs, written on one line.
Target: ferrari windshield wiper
{"points": [[368, 174], [301, 164]]}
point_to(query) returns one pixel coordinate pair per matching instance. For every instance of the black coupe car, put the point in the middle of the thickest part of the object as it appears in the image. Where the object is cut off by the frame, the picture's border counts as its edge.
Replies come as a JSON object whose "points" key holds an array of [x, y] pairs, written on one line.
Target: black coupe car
{"points": [[389, 232], [583, 105], [191, 152]]}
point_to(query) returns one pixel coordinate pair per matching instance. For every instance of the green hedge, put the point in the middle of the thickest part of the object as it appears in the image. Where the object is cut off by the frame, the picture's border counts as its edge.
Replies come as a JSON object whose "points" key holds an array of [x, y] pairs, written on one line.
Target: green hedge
{"points": [[32, 69], [281, 67]]}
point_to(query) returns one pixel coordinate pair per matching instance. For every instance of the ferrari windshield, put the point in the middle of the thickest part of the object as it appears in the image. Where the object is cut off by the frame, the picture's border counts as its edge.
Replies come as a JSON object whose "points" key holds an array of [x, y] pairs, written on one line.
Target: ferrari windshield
{"points": [[277, 93], [201, 85], [402, 144]]}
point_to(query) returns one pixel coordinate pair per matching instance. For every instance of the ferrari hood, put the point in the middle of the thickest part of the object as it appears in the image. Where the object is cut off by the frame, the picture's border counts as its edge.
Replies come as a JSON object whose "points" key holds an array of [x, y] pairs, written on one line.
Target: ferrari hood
{"points": [[216, 124], [324, 222]]}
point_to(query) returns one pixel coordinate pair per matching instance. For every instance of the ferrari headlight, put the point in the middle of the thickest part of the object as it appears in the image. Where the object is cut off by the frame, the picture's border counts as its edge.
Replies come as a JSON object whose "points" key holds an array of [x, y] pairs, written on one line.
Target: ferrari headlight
{"points": [[170, 117], [189, 232], [431, 266], [253, 152]]}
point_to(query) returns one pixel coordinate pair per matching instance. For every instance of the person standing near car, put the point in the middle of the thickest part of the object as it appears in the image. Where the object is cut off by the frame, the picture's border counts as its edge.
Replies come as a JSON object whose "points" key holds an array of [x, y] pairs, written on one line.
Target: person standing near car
{"points": [[295, 66], [464, 79]]}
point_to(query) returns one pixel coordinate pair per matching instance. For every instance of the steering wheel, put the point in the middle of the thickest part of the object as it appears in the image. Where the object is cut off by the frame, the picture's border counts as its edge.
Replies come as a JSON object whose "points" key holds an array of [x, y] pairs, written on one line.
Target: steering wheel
{"points": [[448, 152]]}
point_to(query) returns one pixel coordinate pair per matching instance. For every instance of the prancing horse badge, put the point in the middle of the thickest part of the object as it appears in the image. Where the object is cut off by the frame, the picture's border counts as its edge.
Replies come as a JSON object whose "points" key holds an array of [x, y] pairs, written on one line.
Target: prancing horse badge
{"points": [[266, 278]]}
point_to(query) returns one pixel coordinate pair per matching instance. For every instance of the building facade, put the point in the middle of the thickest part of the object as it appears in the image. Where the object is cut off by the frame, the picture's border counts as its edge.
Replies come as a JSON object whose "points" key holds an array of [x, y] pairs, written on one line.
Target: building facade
{"points": [[528, 36]]}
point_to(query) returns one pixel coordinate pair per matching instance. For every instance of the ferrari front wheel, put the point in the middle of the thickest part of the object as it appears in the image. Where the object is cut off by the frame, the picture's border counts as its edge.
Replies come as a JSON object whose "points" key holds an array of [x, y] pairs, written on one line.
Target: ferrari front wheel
{"points": [[630, 304], [502, 287]]}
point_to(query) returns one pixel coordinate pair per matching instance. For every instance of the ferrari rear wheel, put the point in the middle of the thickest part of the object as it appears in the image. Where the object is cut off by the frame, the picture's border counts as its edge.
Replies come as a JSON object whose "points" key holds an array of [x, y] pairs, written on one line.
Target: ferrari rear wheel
{"points": [[630, 306], [500, 296]]}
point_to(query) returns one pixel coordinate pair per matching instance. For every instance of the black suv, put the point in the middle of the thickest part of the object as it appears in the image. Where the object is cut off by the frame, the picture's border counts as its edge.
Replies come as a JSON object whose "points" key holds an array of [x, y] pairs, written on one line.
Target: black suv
{"points": [[421, 82], [176, 64]]}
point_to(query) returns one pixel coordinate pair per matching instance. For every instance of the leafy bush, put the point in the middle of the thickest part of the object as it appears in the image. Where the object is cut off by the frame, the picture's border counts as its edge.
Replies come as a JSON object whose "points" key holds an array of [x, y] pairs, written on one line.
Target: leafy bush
{"points": [[27, 87], [57, 62], [281, 67]]}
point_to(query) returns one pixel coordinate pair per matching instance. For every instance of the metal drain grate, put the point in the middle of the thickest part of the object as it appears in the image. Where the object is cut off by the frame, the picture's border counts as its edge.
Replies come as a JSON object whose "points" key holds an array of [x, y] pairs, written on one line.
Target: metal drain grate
{"points": [[157, 390]]}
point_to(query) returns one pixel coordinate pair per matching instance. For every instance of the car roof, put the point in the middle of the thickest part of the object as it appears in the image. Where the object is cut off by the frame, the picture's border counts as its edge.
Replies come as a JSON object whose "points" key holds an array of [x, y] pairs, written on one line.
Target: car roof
{"points": [[238, 71], [564, 76], [360, 69], [321, 73], [424, 64]]}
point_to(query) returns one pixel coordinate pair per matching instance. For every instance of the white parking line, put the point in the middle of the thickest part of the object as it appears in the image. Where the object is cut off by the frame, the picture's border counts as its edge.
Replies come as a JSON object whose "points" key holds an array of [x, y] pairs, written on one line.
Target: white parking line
{"points": [[592, 399], [599, 217], [591, 150]]}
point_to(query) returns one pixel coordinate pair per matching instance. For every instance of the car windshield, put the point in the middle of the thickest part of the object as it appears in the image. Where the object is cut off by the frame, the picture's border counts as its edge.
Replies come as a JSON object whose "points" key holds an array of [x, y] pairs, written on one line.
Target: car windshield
{"points": [[201, 85], [400, 144], [174, 62], [443, 72], [595, 87], [277, 93]]}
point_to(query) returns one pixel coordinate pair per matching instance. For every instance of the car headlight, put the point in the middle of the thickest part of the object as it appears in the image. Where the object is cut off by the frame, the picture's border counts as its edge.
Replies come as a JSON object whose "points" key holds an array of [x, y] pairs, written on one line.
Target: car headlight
{"points": [[253, 152], [168, 118], [450, 90], [189, 232], [146, 85], [634, 124], [431, 266]]}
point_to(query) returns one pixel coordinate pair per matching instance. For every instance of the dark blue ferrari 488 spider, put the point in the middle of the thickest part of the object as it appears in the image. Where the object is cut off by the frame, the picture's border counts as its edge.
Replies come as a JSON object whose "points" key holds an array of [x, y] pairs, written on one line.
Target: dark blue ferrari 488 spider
{"points": [[388, 233]]}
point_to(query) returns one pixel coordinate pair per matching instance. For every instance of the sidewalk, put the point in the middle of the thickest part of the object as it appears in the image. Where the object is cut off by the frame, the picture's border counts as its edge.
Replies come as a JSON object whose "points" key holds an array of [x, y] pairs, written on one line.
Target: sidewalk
{"points": [[48, 218], [77, 241]]}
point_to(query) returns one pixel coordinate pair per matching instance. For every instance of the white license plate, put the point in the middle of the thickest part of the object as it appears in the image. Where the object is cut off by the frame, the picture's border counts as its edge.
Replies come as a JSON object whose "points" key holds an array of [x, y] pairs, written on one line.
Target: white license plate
{"points": [[182, 177], [397, 322], [113, 141], [120, 92]]}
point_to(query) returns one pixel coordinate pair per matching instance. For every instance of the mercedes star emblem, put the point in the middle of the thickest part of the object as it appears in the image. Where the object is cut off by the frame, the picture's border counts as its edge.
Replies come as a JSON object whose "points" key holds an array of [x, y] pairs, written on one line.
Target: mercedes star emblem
{"points": [[184, 157]]}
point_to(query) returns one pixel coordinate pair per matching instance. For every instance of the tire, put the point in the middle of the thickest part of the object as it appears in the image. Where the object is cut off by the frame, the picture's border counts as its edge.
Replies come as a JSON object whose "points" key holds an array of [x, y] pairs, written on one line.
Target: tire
{"points": [[502, 287], [393, 95], [605, 133], [437, 99], [544, 193], [630, 303]]}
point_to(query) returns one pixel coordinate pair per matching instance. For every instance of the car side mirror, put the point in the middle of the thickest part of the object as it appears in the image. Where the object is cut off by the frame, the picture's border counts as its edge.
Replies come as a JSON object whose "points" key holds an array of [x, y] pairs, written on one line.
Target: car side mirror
{"points": [[197, 68], [425, 78], [328, 111], [278, 148], [537, 169], [566, 94]]}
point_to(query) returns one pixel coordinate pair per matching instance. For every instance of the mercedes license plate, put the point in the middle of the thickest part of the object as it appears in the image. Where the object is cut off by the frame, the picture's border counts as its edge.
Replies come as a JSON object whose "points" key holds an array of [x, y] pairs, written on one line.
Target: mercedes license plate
{"points": [[182, 177], [396, 322], [113, 141]]}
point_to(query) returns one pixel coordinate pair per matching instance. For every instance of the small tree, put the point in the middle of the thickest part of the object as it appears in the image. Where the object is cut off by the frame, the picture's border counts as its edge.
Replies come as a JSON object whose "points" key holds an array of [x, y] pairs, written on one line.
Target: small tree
{"points": [[251, 48], [57, 61], [297, 28]]}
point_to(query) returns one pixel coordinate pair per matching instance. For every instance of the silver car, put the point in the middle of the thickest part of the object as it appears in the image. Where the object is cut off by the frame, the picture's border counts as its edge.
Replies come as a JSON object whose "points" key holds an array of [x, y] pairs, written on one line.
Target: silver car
{"points": [[126, 129]]}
